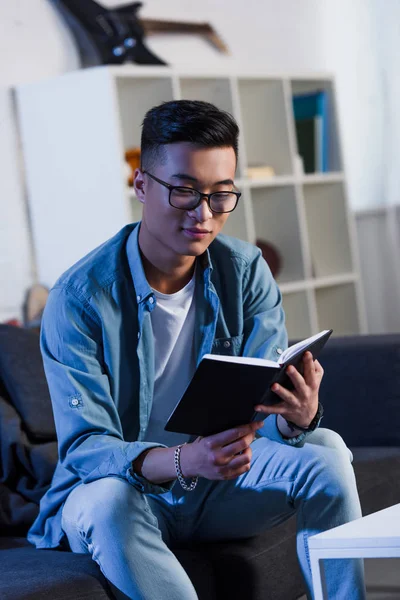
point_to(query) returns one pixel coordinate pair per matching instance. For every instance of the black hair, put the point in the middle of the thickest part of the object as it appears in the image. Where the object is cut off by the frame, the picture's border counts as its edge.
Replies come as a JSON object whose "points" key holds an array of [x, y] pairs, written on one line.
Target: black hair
{"points": [[200, 123]]}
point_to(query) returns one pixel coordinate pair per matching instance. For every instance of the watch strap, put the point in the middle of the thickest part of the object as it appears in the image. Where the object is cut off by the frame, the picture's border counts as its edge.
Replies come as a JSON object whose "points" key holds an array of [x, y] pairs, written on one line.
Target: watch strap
{"points": [[314, 423]]}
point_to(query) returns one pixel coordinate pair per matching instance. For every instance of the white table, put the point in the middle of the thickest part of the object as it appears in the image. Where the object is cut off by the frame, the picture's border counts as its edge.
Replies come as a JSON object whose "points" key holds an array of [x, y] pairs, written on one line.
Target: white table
{"points": [[374, 536]]}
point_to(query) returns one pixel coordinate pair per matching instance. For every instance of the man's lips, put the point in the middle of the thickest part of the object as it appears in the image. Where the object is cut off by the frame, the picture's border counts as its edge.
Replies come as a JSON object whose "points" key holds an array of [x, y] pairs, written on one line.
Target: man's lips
{"points": [[195, 232]]}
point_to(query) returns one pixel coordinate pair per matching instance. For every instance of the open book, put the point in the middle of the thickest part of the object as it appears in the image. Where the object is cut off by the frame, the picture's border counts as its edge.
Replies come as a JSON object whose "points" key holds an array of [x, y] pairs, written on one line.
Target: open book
{"points": [[224, 389]]}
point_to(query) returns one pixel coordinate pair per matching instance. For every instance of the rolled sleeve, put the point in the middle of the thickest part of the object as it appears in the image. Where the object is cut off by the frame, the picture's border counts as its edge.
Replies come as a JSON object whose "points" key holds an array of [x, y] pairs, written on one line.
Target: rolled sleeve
{"points": [[271, 431], [89, 431], [144, 485]]}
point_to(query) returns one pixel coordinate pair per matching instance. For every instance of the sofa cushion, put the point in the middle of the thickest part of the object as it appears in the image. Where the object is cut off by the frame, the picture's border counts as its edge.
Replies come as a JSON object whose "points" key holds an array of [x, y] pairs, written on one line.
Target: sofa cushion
{"points": [[21, 369], [27, 573], [8, 542], [360, 389], [258, 568], [26, 469], [368, 453]]}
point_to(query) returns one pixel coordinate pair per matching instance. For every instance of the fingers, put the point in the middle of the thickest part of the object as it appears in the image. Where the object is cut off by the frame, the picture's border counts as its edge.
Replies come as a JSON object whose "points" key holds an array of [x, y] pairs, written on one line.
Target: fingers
{"points": [[319, 369], [297, 405], [231, 435], [309, 370], [237, 466], [228, 454], [266, 409], [313, 373], [241, 460], [299, 382], [239, 446]]}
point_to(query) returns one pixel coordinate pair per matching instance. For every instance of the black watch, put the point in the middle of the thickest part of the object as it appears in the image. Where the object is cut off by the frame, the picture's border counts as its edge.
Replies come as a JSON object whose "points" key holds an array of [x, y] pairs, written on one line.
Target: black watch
{"points": [[314, 423]]}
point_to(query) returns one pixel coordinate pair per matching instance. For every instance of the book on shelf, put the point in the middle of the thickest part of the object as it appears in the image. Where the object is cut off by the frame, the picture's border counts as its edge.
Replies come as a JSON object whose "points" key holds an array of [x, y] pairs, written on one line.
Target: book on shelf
{"points": [[260, 172], [224, 389], [311, 124]]}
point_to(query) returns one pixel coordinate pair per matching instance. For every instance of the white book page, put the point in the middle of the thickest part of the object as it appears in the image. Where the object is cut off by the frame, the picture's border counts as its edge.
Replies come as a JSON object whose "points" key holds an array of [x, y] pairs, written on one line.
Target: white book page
{"points": [[289, 352], [243, 360]]}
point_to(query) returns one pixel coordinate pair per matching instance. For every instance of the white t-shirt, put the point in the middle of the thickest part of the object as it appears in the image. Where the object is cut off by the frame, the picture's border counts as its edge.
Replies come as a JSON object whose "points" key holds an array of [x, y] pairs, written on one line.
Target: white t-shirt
{"points": [[173, 323]]}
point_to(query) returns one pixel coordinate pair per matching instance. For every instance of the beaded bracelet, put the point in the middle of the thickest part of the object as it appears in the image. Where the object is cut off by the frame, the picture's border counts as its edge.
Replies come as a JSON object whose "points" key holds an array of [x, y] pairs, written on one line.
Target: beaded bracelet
{"points": [[179, 474]]}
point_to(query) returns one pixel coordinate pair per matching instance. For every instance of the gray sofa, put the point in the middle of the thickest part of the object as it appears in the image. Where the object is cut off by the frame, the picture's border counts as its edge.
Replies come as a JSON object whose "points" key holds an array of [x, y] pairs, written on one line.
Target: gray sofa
{"points": [[361, 395]]}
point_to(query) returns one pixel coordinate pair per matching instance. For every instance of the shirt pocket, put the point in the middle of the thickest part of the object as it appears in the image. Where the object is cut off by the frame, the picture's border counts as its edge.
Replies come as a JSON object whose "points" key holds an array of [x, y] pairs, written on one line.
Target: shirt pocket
{"points": [[229, 346]]}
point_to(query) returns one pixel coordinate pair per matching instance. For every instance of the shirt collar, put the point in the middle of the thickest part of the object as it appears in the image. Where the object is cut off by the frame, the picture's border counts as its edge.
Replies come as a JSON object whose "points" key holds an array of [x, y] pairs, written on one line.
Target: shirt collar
{"points": [[142, 288]]}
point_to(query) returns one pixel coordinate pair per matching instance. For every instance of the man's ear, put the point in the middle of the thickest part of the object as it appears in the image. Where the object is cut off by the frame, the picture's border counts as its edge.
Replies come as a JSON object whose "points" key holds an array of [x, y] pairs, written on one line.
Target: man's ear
{"points": [[139, 185]]}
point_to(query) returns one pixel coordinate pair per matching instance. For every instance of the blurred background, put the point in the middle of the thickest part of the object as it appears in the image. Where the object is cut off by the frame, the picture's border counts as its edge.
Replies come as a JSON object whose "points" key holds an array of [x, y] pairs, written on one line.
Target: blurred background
{"points": [[342, 220]]}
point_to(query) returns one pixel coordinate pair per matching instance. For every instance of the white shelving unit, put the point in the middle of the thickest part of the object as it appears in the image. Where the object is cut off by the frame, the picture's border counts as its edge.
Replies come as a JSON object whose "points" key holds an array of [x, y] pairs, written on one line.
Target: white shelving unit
{"points": [[75, 129]]}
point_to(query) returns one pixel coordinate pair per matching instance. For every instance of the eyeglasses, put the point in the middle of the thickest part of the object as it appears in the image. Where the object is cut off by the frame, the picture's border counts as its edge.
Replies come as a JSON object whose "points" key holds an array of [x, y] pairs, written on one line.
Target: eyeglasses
{"points": [[186, 198]]}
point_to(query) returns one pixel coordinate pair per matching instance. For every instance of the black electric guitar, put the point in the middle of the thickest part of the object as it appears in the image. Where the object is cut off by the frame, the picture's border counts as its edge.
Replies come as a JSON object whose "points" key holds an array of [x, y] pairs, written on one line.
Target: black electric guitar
{"points": [[107, 36]]}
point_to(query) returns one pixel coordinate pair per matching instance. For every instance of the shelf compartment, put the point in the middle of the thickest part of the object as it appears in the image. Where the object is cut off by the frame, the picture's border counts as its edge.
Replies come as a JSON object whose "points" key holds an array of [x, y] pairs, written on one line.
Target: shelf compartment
{"points": [[214, 90], [337, 309], [276, 221], [334, 158], [271, 182], [264, 124], [135, 97], [310, 178], [327, 224], [333, 280], [297, 312], [236, 225]]}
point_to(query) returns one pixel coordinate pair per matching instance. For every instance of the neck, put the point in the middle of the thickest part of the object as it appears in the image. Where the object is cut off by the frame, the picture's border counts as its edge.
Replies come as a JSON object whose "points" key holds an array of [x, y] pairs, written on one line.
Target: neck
{"points": [[165, 272], [170, 281]]}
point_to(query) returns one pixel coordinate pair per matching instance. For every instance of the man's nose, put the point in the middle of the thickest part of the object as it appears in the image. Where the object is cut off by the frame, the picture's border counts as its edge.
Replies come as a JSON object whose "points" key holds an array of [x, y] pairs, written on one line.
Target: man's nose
{"points": [[203, 211]]}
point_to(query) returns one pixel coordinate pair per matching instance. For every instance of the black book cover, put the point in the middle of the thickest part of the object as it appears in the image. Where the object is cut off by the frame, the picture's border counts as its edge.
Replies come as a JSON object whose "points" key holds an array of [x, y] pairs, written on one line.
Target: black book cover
{"points": [[222, 394]]}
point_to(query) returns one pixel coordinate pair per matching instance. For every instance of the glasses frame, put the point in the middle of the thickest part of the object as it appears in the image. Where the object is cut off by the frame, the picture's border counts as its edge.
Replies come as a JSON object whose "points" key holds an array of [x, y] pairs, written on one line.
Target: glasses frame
{"points": [[201, 195]]}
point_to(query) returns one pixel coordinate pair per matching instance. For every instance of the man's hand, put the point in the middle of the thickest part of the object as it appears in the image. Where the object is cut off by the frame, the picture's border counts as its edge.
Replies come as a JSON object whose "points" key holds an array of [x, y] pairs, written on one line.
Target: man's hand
{"points": [[225, 455], [300, 405]]}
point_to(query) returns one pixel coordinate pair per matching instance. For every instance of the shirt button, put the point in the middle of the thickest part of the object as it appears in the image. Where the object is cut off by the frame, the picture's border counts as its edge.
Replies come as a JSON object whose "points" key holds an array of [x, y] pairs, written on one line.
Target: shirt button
{"points": [[75, 402], [279, 350], [138, 335], [138, 298], [227, 344], [151, 300]]}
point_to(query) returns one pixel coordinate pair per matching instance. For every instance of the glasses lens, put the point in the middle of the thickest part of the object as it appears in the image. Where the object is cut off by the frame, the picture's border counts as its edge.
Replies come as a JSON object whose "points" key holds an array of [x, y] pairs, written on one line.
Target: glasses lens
{"points": [[223, 201], [182, 197]]}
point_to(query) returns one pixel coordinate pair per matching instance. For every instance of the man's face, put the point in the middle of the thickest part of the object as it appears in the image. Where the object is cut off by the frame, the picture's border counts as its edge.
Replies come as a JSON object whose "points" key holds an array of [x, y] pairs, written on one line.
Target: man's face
{"points": [[170, 231]]}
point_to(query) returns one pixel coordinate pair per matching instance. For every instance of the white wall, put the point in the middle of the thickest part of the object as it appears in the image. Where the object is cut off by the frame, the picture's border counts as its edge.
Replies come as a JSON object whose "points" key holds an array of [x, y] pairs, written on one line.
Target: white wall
{"points": [[388, 48], [33, 44], [337, 36]]}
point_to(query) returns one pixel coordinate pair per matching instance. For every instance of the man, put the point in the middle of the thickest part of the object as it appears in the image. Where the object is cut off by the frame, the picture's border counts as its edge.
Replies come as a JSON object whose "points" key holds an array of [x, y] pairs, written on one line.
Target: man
{"points": [[122, 334]]}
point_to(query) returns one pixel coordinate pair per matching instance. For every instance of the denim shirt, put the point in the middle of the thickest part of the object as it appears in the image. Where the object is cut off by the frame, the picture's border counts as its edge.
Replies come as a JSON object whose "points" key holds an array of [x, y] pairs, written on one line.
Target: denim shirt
{"points": [[98, 355]]}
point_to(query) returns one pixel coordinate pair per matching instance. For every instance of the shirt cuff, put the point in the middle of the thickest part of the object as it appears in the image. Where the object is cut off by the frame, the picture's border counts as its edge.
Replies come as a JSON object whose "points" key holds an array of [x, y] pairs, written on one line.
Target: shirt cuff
{"points": [[284, 428], [271, 431], [145, 486], [138, 481]]}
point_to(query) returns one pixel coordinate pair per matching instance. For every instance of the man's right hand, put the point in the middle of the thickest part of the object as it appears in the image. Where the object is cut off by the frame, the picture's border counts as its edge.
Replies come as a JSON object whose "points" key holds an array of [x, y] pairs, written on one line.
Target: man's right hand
{"points": [[221, 456], [225, 455]]}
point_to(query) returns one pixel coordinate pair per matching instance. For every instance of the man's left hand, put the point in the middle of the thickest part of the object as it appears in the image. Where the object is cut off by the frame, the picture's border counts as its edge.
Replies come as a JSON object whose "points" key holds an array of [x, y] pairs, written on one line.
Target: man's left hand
{"points": [[301, 404]]}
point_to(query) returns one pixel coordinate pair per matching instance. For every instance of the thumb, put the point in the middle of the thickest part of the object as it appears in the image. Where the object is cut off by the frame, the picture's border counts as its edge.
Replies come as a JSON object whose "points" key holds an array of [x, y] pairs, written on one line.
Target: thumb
{"points": [[266, 410]]}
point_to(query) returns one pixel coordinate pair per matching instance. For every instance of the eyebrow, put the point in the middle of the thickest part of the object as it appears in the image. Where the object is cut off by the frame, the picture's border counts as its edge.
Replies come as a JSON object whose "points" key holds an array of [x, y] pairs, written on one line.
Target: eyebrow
{"points": [[185, 176]]}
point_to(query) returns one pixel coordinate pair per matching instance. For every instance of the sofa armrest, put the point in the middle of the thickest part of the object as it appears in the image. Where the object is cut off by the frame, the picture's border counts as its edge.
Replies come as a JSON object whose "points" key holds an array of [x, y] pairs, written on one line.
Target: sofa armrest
{"points": [[360, 390]]}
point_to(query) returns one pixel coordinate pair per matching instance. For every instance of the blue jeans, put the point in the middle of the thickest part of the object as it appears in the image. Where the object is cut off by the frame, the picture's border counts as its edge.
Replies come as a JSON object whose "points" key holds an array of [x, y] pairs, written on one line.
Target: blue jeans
{"points": [[128, 533]]}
